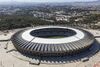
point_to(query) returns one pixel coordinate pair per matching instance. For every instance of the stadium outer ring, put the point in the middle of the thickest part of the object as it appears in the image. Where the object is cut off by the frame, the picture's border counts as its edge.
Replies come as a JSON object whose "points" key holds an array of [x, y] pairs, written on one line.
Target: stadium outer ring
{"points": [[36, 46]]}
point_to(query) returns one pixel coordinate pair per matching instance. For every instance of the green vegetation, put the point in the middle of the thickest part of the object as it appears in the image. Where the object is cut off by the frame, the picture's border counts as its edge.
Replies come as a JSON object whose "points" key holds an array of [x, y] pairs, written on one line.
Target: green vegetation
{"points": [[16, 21], [55, 37], [12, 22]]}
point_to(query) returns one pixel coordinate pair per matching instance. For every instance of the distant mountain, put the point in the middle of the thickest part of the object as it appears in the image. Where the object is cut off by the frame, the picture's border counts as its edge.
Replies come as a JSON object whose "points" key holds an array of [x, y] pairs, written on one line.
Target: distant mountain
{"points": [[92, 3]]}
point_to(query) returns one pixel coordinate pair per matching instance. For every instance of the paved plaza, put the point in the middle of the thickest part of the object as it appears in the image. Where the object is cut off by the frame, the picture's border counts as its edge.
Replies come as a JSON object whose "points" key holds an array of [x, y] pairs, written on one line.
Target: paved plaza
{"points": [[7, 59]]}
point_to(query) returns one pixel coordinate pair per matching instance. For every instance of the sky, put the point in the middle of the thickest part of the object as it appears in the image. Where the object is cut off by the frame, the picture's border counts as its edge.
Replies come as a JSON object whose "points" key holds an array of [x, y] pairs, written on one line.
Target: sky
{"points": [[45, 0]]}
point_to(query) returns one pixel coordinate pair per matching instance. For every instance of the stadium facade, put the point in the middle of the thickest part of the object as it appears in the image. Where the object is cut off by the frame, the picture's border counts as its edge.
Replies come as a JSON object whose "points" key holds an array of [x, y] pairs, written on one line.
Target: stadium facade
{"points": [[52, 41]]}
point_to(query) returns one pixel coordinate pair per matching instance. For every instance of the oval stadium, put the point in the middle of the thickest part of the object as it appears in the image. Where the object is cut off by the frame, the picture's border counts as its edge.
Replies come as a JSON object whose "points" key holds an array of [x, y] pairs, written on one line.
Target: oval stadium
{"points": [[52, 41]]}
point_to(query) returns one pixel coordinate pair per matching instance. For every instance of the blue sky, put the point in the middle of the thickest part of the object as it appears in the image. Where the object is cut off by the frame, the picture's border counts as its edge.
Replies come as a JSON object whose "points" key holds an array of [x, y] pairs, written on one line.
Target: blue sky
{"points": [[46, 0]]}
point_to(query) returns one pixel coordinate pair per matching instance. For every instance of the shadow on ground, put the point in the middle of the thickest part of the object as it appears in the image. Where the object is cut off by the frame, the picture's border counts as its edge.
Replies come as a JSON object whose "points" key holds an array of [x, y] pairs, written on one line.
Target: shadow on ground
{"points": [[95, 48]]}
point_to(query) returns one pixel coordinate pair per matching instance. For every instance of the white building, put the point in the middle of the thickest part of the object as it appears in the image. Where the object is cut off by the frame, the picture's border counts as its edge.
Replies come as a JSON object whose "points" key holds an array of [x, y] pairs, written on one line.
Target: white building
{"points": [[62, 18]]}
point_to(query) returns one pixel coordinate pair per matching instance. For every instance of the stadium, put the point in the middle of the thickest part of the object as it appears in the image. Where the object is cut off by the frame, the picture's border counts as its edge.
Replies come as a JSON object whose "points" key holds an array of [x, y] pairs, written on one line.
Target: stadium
{"points": [[52, 41]]}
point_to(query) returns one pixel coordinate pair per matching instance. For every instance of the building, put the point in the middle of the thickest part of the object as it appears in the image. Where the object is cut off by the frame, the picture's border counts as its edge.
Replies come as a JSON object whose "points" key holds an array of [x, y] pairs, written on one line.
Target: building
{"points": [[52, 41], [62, 18]]}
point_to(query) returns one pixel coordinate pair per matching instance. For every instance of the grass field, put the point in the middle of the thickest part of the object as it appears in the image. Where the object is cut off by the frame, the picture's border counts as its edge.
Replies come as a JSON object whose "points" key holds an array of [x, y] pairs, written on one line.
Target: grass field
{"points": [[55, 37]]}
